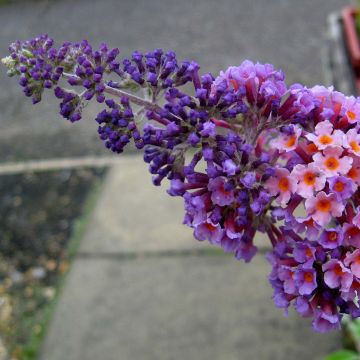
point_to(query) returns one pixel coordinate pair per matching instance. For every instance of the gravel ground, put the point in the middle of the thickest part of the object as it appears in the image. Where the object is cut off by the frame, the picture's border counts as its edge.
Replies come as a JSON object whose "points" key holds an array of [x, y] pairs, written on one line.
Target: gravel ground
{"points": [[38, 216]]}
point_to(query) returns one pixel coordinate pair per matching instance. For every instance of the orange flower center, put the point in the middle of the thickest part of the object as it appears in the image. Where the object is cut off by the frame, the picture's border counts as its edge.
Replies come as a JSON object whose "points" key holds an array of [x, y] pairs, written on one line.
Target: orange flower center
{"points": [[339, 186], [323, 205], [311, 148], [352, 174], [309, 222], [308, 277], [309, 178], [332, 163], [308, 252], [284, 184], [338, 270], [291, 141], [325, 139], [351, 115], [355, 146], [332, 236], [234, 84], [210, 226]]}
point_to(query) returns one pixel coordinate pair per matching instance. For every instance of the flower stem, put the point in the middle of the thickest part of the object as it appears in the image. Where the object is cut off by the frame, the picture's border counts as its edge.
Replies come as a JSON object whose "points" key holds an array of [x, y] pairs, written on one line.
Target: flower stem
{"points": [[117, 92]]}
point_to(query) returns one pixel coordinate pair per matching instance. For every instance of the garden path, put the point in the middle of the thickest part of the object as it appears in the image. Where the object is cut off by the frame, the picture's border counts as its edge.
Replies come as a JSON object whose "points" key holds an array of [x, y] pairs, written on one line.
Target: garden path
{"points": [[142, 288]]}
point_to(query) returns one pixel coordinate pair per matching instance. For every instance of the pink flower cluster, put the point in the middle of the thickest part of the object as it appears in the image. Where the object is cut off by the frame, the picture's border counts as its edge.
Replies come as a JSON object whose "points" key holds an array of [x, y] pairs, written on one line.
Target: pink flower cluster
{"points": [[316, 258]]}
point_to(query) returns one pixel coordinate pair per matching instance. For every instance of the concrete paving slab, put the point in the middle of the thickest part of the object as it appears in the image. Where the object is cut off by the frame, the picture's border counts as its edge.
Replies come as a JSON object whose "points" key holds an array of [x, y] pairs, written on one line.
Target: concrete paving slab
{"points": [[132, 215], [193, 308]]}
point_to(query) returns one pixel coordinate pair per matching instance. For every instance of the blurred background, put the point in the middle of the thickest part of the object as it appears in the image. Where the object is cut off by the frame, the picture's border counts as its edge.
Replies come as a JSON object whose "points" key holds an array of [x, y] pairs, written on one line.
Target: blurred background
{"points": [[94, 261]]}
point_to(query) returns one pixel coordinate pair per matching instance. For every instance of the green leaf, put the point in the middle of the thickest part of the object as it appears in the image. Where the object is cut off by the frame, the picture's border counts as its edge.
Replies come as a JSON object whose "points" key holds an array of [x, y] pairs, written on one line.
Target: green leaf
{"points": [[343, 355], [354, 327]]}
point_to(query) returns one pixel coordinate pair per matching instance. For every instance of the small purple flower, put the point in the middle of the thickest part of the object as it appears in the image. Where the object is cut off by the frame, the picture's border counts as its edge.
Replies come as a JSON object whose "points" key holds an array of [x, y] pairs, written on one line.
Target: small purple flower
{"points": [[304, 253], [193, 139], [245, 251], [341, 186], [219, 195], [209, 129], [337, 275], [281, 300], [232, 230], [208, 231], [286, 274], [249, 180], [331, 238], [305, 280], [303, 307], [325, 321], [229, 167]]}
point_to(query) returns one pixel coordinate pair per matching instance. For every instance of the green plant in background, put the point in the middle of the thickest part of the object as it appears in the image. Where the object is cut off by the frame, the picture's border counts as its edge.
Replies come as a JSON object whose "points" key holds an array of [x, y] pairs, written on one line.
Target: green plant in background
{"points": [[343, 355], [351, 331], [357, 18]]}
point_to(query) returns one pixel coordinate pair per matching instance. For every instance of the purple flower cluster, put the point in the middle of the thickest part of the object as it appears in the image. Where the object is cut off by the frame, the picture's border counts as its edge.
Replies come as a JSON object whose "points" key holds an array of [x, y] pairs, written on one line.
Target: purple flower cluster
{"points": [[91, 66], [41, 66], [37, 63], [71, 105], [225, 203], [321, 278], [117, 126], [160, 70], [244, 151]]}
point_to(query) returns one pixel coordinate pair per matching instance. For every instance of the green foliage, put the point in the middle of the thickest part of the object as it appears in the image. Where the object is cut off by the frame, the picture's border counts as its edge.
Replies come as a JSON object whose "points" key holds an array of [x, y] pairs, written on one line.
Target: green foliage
{"points": [[343, 355], [354, 328], [357, 18]]}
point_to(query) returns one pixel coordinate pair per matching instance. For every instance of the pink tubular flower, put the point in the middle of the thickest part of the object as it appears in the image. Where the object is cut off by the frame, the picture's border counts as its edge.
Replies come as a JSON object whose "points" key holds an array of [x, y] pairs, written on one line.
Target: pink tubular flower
{"points": [[219, 195], [286, 142], [353, 141], [354, 171], [353, 260], [351, 106], [325, 135], [281, 184], [331, 162], [322, 207], [309, 179], [337, 275]]}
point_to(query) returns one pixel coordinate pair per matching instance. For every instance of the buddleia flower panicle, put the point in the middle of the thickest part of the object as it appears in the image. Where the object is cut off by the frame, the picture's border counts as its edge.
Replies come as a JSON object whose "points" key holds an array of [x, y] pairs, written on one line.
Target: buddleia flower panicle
{"points": [[246, 152]]}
